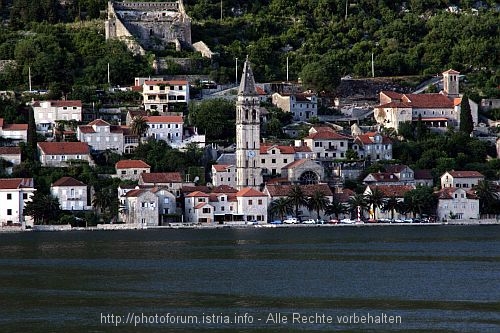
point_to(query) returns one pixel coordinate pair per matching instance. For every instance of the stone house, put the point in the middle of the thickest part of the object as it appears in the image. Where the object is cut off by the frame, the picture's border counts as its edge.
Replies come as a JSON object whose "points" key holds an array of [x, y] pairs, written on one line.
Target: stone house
{"points": [[373, 146], [461, 179], [325, 143], [224, 174], [58, 154], [166, 128], [457, 203], [72, 194], [388, 191], [101, 136], [274, 157], [13, 134], [12, 155], [302, 106], [48, 112], [14, 194], [139, 206], [131, 169]]}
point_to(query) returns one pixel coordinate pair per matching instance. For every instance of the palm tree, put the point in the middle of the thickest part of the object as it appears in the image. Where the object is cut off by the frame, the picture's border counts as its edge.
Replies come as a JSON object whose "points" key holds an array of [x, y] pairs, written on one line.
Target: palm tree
{"points": [[139, 126], [357, 200], [43, 208], [392, 204], [318, 201], [101, 201], [375, 199], [281, 207], [335, 208], [297, 197], [489, 200]]}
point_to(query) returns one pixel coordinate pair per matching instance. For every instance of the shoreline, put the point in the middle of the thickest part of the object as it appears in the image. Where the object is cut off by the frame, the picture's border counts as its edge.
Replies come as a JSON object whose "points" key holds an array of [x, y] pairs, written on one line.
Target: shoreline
{"points": [[116, 227]]}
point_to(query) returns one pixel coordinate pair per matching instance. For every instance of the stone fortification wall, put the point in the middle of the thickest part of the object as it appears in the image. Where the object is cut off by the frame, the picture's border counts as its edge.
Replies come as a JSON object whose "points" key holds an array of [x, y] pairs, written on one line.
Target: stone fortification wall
{"points": [[152, 25]]}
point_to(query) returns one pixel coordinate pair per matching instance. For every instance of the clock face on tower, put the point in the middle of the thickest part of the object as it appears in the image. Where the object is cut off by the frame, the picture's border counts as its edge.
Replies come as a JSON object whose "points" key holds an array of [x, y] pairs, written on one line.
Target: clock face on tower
{"points": [[251, 154]]}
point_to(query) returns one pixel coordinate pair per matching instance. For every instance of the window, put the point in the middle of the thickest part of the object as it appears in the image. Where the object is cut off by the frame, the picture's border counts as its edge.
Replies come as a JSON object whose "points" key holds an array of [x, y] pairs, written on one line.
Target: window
{"points": [[135, 172], [166, 200], [250, 202], [262, 161], [222, 208], [285, 160], [25, 196], [317, 144], [259, 201], [9, 211], [273, 160], [124, 172], [206, 210], [9, 196], [222, 199]]}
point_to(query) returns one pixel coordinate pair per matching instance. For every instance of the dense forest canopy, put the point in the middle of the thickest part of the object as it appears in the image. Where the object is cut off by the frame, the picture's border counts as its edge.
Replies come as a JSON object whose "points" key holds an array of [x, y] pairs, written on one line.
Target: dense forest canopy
{"points": [[65, 45]]}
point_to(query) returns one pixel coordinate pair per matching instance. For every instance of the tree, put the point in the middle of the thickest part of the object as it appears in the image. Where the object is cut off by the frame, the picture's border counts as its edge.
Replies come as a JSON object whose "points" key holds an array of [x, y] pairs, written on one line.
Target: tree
{"points": [[357, 200], [489, 200], [297, 197], [214, 117], [375, 199], [335, 208], [466, 123], [281, 207], [420, 200], [102, 201], [139, 126], [393, 205], [322, 75], [318, 202], [43, 208]]}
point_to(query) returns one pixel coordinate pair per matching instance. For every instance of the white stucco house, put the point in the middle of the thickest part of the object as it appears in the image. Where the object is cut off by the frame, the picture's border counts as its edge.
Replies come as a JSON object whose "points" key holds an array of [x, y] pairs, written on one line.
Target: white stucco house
{"points": [[48, 112], [131, 169], [463, 179], [14, 194], [58, 154], [457, 203], [72, 194]]}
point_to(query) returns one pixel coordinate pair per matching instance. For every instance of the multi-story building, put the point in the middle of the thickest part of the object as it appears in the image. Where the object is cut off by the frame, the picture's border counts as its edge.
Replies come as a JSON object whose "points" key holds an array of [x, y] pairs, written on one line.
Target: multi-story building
{"points": [[14, 194], [161, 96], [389, 191], [170, 180], [274, 157], [101, 136], [139, 206], [12, 134], [373, 146], [131, 169], [72, 194], [325, 143], [48, 112], [224, 174], [457, 203], [166, 128], [463, 179], [58, 154], [302, 106]]}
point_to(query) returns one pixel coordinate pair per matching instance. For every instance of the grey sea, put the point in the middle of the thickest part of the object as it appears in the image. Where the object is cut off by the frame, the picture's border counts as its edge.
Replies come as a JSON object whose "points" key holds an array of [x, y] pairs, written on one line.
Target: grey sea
{"points": [[349, 279]]}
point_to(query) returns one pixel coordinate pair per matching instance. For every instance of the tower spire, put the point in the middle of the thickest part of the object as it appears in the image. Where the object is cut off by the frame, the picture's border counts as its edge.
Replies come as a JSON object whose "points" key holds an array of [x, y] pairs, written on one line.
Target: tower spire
{"points": [[247, 83]]}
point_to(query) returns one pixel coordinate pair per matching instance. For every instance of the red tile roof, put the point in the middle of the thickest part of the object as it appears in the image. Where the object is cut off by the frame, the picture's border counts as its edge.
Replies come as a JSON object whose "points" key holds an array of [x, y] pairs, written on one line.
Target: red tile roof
{"points": [[164, 119], [395, 168], [392, 94], [394, 104], [276, 190], [428, 101], [10, 150], [156, 83], [302, 149], [200, 205], [15, 183], [451, 71], [283, 149], [134, 193], [384, 177], [260, 91], [61, 103], [295, 163], [396, 191], [466, 174], [99, 122], [448, 193], [64, 148], [367, 138], [15, 127], [68, 181], [221, 167], [190, 189], [197, 194], [86, 129], [161, 177], [249, 192], [131, 164], [423, 174], [343, 196], [224, 189], [327, 135]]}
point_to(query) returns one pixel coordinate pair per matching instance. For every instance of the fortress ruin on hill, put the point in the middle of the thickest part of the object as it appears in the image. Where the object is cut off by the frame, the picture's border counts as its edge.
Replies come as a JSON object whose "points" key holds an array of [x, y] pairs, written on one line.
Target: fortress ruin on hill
{"points": [[149, 25]]}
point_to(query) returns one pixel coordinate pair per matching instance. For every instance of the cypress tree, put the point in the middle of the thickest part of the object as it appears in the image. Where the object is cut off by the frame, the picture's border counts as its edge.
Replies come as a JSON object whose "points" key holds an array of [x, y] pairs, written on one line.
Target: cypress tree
{"points": [[466, 124]]}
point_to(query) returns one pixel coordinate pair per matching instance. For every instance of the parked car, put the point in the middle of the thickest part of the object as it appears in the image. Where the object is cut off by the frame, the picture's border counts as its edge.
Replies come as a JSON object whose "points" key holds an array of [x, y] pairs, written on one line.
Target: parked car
{"points": [[291, 220], [276, 222], [347, 221], [309, 221], [333, 221]]}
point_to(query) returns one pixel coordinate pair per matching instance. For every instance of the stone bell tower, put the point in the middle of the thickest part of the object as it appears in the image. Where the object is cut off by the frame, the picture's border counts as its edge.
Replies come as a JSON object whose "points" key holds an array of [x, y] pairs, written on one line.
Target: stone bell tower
{"points": [[248, 170]]}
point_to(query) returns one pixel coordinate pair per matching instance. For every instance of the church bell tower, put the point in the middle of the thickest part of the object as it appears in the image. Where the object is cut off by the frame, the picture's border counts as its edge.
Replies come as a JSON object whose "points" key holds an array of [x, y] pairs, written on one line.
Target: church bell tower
{"points": [[248, 170]]}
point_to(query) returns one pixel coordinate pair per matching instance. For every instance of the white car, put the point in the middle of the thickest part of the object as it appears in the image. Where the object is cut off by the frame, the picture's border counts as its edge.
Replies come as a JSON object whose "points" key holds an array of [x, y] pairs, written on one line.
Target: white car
{"points": [[347, 221], [291, 220], [309, 221]]}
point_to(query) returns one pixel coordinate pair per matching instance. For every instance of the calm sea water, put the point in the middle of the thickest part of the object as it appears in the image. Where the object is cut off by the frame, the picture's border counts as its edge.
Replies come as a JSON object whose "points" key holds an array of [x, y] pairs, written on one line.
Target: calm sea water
{"points": [[436, 278]]}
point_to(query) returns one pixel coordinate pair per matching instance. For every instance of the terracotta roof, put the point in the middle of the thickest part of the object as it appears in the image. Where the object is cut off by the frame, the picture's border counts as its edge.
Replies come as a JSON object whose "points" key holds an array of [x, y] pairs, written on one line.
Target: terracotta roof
{"points": [[394, 104], [15, 183], [260, 91], [466, 174], [161, 177], [190, 189], [367, 138], [224, 189], [164, 119], [134, 193], [302, 149], [423, 174], [343, 196], [283, 149], [451, 71], [392, 94], [131, 164], [197, 194], [276, 190], [200, 205], [397, 191], [68, 181], [428, 101], [432, 119], [220, 167], [99, 122], [327, 135], [249, 192], [295, 163], [86, 129], [457, 101], [448, 193], [383, 177], [10, 150], [61, 103], [282, 180], [135, 113], [15, 127], [64, 148]]}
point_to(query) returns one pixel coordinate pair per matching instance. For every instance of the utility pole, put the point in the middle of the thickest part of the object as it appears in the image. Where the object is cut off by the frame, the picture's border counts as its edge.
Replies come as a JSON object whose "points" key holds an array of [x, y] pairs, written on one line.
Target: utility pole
{"points": [[346, 3], [109, 80], [221, 11], [29, 78], [287, 69], [373, 67]]}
